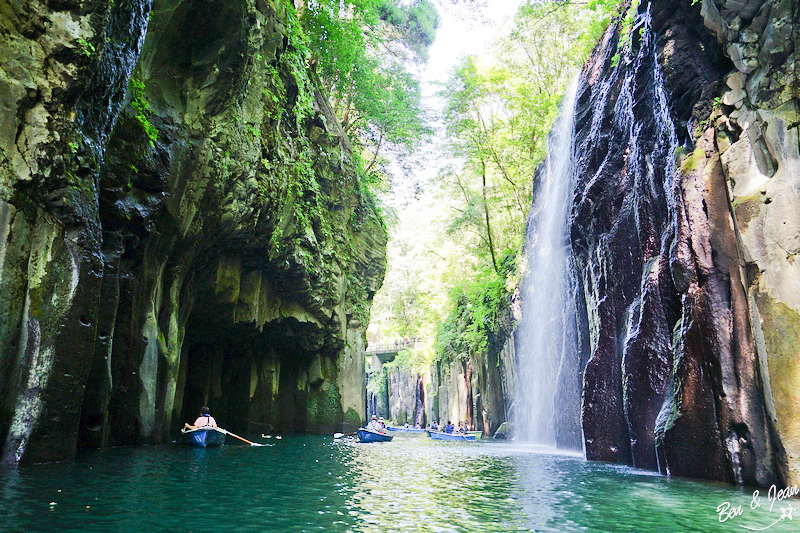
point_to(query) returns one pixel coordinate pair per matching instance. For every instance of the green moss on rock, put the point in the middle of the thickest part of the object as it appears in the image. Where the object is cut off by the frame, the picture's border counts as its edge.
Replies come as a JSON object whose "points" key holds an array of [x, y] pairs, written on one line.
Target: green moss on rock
{"points": [[324, 410], [781, 328], [352, 420]]}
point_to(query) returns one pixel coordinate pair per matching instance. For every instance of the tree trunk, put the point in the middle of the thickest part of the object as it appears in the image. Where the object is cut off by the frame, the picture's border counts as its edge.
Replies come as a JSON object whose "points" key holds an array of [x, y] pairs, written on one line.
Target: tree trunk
{"points": [[486, 214], [375, 155]]}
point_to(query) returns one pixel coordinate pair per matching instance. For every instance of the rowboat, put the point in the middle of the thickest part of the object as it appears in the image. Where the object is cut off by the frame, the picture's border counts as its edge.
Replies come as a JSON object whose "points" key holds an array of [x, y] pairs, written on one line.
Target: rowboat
{"points": [[478, 434], [408, 432], [202, 437], [365, 435], [441, 435]]}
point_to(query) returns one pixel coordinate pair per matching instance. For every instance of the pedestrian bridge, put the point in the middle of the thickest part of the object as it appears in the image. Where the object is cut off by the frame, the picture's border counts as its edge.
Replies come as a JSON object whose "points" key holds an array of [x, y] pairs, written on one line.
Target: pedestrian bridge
{"points": [[385, 352]]}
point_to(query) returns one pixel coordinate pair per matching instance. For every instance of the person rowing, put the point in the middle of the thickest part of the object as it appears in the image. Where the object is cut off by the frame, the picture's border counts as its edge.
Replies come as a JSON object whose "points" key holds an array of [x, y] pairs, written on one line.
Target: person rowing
{"points": [[204, 420], [374, 425]]}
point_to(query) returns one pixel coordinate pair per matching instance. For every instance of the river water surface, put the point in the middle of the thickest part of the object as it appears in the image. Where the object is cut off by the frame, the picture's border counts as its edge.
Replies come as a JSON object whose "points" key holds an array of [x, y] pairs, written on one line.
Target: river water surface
{"points": [[318, 484]]}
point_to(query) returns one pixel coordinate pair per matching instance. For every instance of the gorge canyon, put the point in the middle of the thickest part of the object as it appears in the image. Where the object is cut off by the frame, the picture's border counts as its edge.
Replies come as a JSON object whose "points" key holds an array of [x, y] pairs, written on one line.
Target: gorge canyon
{"points": [[182, 223]]}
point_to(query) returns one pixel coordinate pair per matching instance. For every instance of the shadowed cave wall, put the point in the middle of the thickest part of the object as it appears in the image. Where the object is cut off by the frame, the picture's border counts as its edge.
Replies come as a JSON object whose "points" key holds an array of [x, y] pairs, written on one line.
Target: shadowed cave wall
{"points": [[181, 224]]}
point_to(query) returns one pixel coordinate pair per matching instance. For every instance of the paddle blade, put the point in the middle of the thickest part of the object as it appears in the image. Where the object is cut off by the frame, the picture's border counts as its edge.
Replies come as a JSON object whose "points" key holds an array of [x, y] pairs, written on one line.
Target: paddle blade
{"points": [[338, 435]]}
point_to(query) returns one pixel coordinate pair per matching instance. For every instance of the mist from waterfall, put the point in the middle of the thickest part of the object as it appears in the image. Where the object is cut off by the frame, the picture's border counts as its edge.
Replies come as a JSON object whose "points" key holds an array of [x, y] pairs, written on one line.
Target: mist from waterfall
{"points": [[548, 395]]}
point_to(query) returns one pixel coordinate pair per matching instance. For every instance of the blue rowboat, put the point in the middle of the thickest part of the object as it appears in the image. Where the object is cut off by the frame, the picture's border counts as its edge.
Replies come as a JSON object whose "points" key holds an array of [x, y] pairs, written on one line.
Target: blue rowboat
{"points": [[408, 432], [441, 435], [365, 435], [202, 437]]}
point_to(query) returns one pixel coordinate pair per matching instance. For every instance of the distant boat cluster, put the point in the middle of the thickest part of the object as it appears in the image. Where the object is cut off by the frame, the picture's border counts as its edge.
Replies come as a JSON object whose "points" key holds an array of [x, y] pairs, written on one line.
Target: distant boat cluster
{"points": [[387, 434]]}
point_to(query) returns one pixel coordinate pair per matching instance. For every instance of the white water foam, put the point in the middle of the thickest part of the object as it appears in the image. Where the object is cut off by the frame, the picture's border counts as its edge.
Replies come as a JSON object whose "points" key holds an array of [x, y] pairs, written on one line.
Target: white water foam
{"points": [[547, 334]]}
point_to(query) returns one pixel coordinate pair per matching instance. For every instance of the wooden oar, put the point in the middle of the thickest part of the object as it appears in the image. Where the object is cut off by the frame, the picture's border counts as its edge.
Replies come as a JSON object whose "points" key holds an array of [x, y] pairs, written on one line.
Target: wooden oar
{"points": [[240, 438], [340, 435]]}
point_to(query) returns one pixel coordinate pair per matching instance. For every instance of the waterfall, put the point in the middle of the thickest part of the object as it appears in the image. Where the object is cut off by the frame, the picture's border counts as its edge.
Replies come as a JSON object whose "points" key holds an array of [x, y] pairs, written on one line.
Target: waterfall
{"points": [[547, 410]]}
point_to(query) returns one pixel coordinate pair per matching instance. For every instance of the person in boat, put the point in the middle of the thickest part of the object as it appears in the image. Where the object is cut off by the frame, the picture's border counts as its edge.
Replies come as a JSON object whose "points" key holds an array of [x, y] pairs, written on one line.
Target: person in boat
{"points": [[417, 426], [464, 428], [374, 425], [434, 426], [382, 422], [205, 419], [449, 427]]}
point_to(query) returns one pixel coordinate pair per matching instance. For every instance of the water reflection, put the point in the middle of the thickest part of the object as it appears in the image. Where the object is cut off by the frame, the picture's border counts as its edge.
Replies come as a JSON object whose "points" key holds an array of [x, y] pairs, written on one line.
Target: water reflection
{"points": [[316, 484], [431, 486]]}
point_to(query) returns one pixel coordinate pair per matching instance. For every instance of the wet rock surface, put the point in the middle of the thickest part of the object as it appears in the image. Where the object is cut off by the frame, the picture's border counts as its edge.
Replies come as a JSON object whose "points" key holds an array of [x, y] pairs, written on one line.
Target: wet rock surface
{"points": [[680, 139], [181, 224]]}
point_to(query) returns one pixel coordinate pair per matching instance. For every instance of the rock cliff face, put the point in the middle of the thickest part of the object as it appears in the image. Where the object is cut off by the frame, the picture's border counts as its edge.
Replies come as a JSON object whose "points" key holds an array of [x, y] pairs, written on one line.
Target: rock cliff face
{"points": [[180, 224], [685, 232], [477, 388]]}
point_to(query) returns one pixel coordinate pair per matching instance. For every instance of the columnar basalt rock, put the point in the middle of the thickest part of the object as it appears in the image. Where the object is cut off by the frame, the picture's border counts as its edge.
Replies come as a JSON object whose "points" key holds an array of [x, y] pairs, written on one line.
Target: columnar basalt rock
{"points": [[406, 397], [683, 228], [189, 231], [63, 73], [756, 135]]}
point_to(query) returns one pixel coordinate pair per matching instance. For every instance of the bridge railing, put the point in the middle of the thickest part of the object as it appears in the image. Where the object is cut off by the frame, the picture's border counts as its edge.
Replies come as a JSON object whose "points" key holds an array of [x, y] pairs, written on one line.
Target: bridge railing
{"points": [[393, 346]]}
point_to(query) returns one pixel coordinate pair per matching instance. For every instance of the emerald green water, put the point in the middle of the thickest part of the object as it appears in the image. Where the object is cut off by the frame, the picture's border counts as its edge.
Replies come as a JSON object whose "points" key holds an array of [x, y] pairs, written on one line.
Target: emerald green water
{"points": [[318, 484]]}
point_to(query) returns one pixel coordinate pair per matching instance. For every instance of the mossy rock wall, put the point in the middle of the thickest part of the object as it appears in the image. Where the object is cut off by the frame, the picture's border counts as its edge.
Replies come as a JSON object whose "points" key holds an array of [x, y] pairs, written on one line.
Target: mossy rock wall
{"points": [[181, 224]]}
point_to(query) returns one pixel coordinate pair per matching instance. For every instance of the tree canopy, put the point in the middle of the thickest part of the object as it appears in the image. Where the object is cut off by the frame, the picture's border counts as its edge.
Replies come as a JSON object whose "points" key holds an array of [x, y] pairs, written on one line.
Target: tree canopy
{"points": [[498, 112], [363, 51]]}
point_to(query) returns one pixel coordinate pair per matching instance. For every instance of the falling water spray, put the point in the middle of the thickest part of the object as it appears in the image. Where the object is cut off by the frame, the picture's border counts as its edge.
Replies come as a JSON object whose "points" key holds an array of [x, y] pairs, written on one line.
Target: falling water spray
{"points": [[547, 409]]}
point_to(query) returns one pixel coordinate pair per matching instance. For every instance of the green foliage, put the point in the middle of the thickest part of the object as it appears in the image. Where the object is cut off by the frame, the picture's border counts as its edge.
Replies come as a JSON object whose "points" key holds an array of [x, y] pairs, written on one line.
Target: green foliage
{"points": [[86, 47], [375, 96], [474, 321], [416, 23], [418, 361], [453, 254], [379, 386], [584, 22], [252, 130], [288, 96], [142, 107], [374, 385], [414, 296], [627, 25], [499, 113]]}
